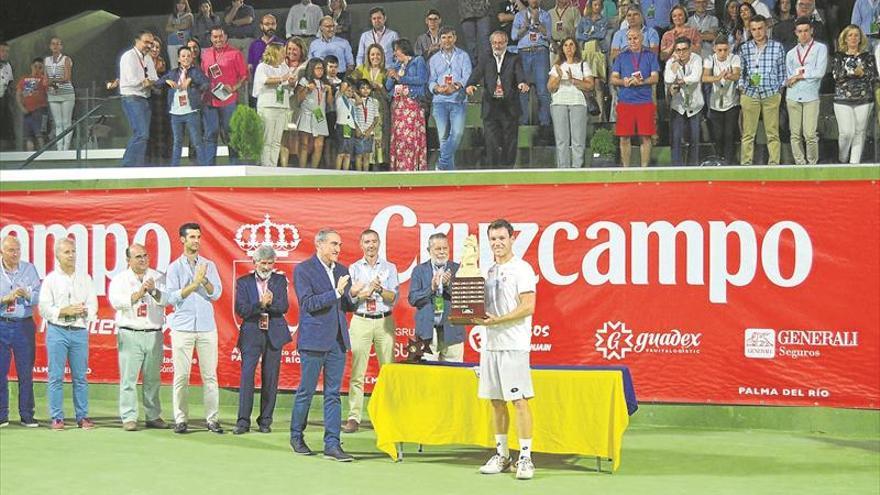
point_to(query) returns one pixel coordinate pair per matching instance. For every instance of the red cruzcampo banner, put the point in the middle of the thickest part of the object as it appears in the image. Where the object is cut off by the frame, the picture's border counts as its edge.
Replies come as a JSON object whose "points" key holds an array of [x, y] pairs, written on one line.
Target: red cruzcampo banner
{"points": [[722, 292]]}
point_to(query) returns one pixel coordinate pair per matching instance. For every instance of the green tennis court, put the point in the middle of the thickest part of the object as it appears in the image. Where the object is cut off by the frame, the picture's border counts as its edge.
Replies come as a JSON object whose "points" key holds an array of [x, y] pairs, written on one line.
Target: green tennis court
{"points": [[667, 449]]}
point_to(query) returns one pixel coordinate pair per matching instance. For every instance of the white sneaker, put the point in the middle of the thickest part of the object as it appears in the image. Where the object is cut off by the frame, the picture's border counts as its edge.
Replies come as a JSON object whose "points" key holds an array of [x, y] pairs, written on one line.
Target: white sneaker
{"points": [[497, 464], [525, 470]]}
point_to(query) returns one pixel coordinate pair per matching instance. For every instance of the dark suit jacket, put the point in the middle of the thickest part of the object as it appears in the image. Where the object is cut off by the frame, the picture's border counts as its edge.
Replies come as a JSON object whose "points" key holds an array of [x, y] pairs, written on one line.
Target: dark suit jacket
{"points": [[421, 298], [485, 74], [247, 306], [321, 312]]}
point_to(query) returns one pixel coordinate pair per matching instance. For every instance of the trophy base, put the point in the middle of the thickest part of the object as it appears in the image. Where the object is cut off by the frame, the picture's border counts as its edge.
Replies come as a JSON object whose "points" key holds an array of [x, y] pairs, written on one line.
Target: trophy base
{"points": [[467, 315]]}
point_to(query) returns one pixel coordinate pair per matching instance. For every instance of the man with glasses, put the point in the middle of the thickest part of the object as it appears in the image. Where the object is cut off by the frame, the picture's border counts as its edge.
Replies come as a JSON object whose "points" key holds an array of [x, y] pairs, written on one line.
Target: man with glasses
{"points": [[137, 73], [330, 44], [138, 296], [683, 75], [428, 43]]}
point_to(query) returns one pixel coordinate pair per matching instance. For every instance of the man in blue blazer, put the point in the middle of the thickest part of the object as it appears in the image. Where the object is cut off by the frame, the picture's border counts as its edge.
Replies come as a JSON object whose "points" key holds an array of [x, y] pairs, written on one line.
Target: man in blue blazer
{"points": [[261, 301], [429, 294], [324, 293]]}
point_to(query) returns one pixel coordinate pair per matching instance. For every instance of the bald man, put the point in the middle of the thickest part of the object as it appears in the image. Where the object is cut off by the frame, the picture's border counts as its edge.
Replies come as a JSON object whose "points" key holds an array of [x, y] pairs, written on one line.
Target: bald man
{"points": [[138, 296], [19, 293], [68, 303]]}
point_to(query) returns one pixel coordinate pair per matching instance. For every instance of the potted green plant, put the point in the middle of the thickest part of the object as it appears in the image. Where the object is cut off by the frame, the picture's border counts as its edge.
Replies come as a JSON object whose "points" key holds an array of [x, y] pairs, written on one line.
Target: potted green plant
{"points": [[246, 134], [603, 148]]}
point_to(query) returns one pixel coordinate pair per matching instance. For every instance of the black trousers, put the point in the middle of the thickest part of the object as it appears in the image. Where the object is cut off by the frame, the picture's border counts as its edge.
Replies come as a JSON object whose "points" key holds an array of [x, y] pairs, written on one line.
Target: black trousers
{"points": [[725, 132], [253, 351], [501, 135], [6, 126]]}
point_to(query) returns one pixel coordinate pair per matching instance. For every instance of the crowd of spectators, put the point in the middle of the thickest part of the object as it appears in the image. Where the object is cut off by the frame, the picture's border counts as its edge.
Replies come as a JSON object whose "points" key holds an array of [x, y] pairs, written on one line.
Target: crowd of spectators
{"points": [[330, 95]]}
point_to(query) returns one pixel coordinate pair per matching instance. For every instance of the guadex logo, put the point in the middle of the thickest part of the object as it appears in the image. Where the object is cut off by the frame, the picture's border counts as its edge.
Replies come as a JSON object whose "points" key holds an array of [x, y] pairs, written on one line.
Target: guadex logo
{"points": [[767, 343], [760, 343], [615, 340], [283, 238]]}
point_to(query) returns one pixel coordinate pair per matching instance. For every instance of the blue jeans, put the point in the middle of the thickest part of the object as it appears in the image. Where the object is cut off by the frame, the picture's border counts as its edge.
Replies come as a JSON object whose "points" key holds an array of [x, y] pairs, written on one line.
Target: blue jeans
{"points": [[536, 65], [476, 38], [17, 338], [62, 346], [450, 118], [217, 119], [682, 126], [193, 123], [137, 110], [311, 362]]}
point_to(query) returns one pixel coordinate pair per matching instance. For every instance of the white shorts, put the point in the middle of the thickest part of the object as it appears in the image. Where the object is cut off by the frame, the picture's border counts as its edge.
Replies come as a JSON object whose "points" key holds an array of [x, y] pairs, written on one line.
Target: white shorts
{"points": [[505, 375]]}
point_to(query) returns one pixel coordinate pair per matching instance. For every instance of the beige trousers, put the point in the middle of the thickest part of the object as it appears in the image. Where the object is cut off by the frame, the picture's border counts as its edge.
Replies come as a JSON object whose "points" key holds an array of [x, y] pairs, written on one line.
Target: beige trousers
{"points": [[205, 345], [366, 333]]}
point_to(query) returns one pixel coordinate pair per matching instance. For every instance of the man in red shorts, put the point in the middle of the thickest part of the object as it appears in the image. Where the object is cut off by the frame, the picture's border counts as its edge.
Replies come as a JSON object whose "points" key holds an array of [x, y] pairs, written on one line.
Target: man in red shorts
{"points": [[635, 71]]}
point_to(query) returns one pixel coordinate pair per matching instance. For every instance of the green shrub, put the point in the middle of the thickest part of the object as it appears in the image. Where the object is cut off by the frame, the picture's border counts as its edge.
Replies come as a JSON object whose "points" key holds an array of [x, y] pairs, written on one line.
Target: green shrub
{"points": [[247, 133], [602, 142]]}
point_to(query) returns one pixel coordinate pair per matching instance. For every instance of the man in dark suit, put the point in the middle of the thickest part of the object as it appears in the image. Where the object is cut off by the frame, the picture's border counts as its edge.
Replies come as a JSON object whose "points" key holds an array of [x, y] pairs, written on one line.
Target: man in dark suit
{"points": [[429, 294], [502, 78], [324, 294], [261, 301]]}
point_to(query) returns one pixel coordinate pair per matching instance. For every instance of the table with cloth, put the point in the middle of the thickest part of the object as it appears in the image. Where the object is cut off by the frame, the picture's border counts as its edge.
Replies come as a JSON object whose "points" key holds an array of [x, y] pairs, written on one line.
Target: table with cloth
{"points": [[581, 410]]}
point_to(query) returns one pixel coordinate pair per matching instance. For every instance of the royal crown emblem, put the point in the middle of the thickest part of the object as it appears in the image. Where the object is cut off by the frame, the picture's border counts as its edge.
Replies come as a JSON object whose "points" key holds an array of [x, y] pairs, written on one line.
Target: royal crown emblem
{"points": [[282, 237]]}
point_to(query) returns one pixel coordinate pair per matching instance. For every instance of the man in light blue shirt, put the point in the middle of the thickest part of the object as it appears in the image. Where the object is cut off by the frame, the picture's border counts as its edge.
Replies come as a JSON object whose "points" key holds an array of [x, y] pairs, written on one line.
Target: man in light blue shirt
{"points": [[634, 19], [330, 44], [372, 323], [193, 284], [531, 31], [657, 13], [805, 66], [866, 15], [450, 71], [380, 34], [19, 294]]}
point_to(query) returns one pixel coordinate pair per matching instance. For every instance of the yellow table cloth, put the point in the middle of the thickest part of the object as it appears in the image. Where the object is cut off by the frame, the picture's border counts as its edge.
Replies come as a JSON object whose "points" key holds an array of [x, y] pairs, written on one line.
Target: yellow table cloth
{"points": [[575, 411]]}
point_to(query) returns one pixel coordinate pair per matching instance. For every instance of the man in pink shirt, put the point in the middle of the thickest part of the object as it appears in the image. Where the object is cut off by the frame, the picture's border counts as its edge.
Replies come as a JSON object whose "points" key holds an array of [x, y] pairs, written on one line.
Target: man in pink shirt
{"points": [[226, 70]]}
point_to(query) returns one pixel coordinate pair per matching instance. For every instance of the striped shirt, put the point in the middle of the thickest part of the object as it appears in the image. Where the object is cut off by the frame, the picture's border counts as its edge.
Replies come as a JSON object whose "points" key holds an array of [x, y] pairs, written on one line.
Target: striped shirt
{"points": [[365, 113], [763, 72], [55, 72]]}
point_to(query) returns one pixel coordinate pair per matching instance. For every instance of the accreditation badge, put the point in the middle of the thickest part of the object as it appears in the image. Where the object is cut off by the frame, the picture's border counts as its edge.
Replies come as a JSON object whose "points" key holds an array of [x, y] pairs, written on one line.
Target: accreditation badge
{"points": [[142, 310], [182, 99], [371, 305], [10, 308], [447, 80], [264, 321], [215, 71]]}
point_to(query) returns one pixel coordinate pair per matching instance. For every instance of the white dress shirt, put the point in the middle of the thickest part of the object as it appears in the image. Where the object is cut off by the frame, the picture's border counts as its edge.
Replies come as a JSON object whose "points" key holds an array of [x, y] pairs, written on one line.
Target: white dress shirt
{"points": [[60, 290], [303, 20], [689, 99], [126, 283], [132, 65]]}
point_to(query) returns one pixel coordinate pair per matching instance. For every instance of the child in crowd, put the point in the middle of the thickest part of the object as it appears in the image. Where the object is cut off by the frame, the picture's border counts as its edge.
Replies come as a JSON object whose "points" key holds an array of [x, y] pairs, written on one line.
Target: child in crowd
{"points": [[366, 117], [345, 124], [186, 83], [332, 64], [32, 98], [313, 92]]}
